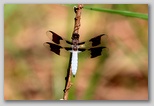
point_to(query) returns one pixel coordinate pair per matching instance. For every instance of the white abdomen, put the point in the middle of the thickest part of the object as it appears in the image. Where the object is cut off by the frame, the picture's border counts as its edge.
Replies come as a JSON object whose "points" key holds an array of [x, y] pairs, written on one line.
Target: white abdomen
{"points": [[74, 62]]}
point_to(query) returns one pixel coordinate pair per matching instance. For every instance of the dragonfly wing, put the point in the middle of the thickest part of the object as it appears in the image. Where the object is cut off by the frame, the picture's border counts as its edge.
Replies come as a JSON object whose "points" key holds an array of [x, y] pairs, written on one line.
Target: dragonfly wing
{"points": [[96, 40], [93, 52], [97, 51], [56, 38], [57, 49]]}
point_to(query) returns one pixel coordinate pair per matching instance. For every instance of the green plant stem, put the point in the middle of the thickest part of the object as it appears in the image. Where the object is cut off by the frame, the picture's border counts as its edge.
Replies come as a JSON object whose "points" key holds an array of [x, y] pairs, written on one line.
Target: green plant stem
{"points": [[120, 12]]}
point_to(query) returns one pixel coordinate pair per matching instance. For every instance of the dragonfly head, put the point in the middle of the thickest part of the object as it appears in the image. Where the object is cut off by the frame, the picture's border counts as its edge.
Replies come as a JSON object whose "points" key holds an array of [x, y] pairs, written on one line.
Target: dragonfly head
{"points": [[75, 36]]}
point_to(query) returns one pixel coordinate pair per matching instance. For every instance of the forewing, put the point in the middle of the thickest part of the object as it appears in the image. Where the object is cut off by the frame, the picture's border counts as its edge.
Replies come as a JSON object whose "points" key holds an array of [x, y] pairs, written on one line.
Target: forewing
{"points": [[95, 41], [56, 38]]}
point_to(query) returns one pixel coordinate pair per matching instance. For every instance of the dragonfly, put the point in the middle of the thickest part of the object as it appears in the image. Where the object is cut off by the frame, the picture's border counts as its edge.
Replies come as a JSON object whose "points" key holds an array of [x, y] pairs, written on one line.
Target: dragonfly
{"points": [[75, 47]]}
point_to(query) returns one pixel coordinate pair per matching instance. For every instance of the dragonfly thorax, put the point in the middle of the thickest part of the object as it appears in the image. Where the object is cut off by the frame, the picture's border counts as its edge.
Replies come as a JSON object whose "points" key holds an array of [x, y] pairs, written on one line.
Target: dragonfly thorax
{"points": [[75, 47]]}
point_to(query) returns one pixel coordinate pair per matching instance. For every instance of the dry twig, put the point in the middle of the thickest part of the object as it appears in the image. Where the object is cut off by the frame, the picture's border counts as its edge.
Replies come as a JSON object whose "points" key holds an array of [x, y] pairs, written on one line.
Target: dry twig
{"points": [[68, 83]]}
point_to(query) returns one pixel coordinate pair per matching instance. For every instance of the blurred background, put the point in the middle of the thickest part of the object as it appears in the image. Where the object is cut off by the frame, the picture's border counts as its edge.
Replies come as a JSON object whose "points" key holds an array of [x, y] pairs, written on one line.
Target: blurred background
{"points": [[32, 72]]}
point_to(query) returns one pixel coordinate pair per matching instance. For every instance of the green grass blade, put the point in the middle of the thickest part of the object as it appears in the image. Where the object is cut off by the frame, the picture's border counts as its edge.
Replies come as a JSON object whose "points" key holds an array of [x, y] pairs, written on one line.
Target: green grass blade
{"points": [[120, 12], [124, 13]]}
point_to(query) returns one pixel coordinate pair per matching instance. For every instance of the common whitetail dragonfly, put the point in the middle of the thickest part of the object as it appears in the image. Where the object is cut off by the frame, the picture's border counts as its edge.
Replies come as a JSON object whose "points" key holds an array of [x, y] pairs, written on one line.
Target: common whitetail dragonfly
{"points": [[75, 48]]}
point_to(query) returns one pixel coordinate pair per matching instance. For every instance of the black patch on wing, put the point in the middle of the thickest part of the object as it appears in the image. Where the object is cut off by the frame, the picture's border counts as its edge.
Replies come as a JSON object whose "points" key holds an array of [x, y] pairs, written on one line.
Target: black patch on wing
{"points": [[96, 51], [96, 40], [81, 49], [54, 48], [56, 38]]}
